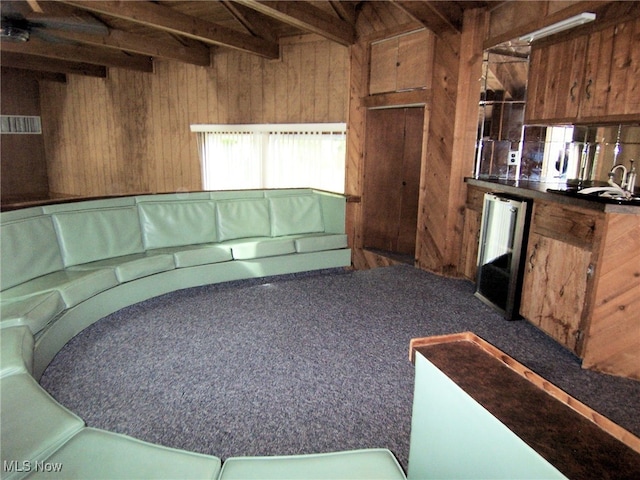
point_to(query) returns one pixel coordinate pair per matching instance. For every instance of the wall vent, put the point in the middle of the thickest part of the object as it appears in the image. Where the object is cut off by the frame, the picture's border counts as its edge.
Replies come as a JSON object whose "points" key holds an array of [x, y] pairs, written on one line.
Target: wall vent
{"points": [[20, 124]]}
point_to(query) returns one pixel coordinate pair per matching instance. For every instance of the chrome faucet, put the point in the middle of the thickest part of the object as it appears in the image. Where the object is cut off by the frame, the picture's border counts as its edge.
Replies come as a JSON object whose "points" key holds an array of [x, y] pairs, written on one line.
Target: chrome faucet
{"points": [[631, 178], [623, 180], [624, 191]]}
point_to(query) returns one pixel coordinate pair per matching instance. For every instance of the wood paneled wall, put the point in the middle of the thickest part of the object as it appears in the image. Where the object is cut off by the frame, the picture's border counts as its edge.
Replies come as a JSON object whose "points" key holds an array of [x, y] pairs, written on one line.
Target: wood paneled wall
{"points": [[450, 146], [448, 138], [613, 340], [23, 167], [130, 132]]}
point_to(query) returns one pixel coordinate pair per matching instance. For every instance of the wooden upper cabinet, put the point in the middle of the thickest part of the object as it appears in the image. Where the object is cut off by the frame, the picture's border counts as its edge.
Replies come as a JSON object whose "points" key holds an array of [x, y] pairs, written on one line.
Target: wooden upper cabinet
{"points": [[593, 77], [595, 94], [625, 69], [401, 63], [556, 80]]}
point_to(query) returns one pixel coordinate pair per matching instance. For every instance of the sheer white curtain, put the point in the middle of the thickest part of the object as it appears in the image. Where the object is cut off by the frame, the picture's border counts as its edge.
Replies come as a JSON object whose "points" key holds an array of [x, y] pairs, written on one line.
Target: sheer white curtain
{"points": [[229, 160], [314, 159], [272, 156]]}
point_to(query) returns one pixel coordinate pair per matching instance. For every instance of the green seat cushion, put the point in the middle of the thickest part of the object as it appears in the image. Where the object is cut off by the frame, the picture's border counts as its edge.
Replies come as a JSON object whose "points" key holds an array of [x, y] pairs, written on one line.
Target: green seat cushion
{"points": [[130, 267], [243, 218], [320, 242], [98, 454], [368, 464], [34, 311], [16, 352], [248, 248], [293, 214], [169, 224], [88, 236], [192, 255], [74, 286], [29, 250], [34, 425]]}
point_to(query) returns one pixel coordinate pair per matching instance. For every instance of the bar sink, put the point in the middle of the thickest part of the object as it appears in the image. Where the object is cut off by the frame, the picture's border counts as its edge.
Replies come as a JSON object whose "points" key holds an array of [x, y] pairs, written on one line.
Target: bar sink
{"points": [[604, 194]]}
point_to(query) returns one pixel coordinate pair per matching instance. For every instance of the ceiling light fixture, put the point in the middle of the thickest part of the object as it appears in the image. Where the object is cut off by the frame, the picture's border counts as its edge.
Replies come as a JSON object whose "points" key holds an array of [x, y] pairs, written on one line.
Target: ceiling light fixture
{"points": [[559, 27]]}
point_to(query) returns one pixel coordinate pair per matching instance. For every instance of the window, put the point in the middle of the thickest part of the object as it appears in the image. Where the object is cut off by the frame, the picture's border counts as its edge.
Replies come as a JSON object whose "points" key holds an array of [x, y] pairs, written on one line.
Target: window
{"points": [[272, 156]]}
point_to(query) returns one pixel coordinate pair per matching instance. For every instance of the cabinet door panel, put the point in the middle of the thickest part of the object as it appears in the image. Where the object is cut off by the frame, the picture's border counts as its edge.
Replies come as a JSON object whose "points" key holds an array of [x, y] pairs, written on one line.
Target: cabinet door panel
{"points": [[556, 80], [384, 59], [595, 95], [624, 97], [554, 288], [415, 55], [535, 85], [553, 80], [572, 57]]}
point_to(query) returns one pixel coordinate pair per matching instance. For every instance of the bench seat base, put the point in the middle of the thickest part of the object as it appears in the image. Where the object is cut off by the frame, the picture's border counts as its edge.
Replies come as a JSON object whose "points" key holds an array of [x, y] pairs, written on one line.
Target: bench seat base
{"points": [[98, 454], [368, 464]]}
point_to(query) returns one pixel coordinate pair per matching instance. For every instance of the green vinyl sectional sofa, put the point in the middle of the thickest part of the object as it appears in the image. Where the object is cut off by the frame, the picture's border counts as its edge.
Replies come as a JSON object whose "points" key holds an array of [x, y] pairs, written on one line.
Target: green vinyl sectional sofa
{"points": [[66, 265]]}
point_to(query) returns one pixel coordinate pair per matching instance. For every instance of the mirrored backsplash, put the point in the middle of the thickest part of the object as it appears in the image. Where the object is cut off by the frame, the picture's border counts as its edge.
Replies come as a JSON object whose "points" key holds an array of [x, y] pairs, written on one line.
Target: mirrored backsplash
{"points": [[559, 153]]}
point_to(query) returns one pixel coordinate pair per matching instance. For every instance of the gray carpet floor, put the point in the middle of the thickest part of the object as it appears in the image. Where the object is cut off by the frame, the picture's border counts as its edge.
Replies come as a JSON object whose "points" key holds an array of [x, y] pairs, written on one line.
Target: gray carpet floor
{"points": [[303, 363]]}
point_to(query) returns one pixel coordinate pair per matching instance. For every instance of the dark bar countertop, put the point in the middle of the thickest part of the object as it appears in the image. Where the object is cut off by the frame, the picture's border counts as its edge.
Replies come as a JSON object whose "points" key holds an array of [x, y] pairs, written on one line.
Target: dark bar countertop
{"points": [[564, 193]]}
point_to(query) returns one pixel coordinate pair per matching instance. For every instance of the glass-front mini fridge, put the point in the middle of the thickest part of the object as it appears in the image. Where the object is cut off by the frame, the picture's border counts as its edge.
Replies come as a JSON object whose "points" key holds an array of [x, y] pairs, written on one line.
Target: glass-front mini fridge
{"points": [[503, 234]]}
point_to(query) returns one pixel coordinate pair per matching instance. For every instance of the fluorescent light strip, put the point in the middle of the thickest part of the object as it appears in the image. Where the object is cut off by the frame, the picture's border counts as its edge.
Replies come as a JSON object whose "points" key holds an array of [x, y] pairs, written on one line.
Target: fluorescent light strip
{"points": [[559, 27]]}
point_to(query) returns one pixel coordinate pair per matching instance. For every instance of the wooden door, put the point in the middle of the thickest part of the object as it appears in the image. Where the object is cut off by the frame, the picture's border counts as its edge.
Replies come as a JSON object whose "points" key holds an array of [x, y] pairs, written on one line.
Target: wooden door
{"points": [[393, 151], [410, 181]]}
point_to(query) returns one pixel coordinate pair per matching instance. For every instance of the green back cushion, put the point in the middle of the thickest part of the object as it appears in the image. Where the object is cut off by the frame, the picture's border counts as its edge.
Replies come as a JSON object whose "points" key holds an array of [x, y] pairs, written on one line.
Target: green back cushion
{"points": [[296, 214], [97, 234], [172, 224], [243, 218], [29, 250]]}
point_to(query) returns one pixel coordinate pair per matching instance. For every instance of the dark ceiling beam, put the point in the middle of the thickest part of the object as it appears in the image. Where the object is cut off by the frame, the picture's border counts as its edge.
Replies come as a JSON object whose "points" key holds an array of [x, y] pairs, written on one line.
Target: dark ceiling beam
{"points": [[510, 79], [157, 16], [38, 74], [56, 66], [439, 17], [345, 10], [83, 54], [183, 50], [307, 17], [196, 54], [255, 23]]}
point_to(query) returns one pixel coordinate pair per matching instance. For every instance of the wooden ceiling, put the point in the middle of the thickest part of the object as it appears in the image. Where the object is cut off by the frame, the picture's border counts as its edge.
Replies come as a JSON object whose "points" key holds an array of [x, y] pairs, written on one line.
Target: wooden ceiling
{"points": [[88, 37]]}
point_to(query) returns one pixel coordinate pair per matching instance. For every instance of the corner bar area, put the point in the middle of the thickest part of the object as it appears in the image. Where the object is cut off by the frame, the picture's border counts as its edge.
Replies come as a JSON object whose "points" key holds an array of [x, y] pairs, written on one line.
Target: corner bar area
{"points": [[581, 272], [560, 129]]}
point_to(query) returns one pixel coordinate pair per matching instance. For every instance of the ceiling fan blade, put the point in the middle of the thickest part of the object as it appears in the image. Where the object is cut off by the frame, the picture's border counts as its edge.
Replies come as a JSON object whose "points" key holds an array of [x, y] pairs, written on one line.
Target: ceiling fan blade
{"points": [[45, 36], [14, 10], [74, 23]]}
